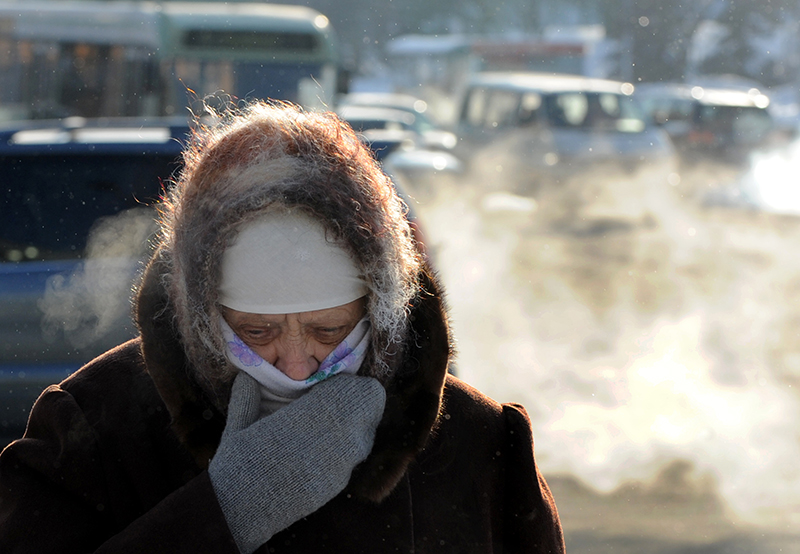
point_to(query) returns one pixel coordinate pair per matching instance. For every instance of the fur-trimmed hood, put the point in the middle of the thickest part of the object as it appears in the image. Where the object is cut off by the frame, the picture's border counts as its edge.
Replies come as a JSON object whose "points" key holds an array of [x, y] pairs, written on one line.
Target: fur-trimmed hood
{"points": [[276, 156], [413, 399]]}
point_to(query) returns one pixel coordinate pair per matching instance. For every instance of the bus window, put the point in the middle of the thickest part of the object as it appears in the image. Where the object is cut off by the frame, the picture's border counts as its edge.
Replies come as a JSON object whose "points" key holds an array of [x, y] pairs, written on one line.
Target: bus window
{"points": [[50, 80], [84, 72], [108, 59], [199, 79], [250, 41]]}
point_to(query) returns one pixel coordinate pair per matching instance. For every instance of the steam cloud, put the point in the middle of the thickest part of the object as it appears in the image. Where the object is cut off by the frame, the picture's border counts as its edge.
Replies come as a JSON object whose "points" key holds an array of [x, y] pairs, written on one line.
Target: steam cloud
{"points": [[94, 300], [636, 341]]}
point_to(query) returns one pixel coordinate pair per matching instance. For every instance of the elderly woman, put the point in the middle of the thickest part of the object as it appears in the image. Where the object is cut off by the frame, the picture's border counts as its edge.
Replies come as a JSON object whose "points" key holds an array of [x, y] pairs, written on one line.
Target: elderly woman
{"points": [[289, 390]]}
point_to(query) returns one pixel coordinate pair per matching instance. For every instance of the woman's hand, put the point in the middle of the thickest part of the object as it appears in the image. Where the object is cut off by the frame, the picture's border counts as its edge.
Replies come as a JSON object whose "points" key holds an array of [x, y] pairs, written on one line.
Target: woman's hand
{"points": [[271, 472]]}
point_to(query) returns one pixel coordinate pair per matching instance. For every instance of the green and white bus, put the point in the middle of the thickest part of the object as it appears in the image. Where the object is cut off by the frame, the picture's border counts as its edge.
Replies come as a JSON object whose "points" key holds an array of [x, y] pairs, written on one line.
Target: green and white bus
{"points": [[63, 58]]}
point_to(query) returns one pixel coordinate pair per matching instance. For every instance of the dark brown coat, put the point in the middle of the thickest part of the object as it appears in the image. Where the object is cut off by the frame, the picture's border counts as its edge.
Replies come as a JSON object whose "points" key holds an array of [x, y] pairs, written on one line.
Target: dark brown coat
{"points": [[114, 460]]}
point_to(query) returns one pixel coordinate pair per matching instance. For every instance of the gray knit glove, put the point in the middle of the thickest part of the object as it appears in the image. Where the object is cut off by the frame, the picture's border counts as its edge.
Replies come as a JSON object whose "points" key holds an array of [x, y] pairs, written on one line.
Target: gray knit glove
{"points": [[269, 473]]}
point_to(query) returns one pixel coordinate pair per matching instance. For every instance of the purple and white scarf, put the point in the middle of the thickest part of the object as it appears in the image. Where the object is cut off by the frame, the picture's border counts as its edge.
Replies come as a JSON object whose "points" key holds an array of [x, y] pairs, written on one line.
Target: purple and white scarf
{"points": [[277, 389]]}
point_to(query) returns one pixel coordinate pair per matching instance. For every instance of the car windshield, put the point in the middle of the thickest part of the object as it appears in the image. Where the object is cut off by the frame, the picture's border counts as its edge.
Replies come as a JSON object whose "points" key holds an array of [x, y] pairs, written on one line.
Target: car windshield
{"points": [[735, 119], [375, 124], [602, 111], [49, 203]]}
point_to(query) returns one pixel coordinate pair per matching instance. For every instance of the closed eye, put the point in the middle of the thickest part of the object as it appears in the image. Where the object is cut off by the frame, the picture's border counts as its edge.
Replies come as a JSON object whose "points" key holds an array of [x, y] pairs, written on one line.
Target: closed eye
{"points": [[257, 335], [331, 335]]}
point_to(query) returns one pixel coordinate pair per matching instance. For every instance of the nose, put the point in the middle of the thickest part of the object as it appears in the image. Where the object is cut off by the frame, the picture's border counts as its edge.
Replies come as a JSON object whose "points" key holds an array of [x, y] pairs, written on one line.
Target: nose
{"points": [[295, 357]]}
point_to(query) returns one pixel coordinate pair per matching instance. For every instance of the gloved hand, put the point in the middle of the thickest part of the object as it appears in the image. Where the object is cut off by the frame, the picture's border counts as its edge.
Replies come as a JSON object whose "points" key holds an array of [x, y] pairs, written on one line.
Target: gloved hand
{"points": [[269, 473]]}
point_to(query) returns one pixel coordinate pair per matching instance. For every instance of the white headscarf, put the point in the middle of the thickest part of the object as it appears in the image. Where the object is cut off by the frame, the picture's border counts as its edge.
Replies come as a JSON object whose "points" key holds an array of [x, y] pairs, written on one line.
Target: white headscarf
{"points": [[283, 263]]}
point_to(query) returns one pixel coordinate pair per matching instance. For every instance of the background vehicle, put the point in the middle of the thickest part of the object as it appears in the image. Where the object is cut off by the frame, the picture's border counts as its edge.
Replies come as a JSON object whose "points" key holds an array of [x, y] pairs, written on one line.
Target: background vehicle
{"points": [[726, 124], [403, 148], [433, 135], [109, 59], [75, 224], [384, 129], [544, 126], [394, 100]]}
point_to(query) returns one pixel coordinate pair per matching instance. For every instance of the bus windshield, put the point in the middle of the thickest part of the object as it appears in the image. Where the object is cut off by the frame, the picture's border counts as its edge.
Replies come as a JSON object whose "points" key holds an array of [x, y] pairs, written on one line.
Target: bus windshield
{"points": [[91, 59]]}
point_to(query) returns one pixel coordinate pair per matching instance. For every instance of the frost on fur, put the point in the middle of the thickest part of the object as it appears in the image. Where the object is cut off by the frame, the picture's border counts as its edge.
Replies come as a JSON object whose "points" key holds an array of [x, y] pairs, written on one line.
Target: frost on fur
{"points": [[275, 155]]}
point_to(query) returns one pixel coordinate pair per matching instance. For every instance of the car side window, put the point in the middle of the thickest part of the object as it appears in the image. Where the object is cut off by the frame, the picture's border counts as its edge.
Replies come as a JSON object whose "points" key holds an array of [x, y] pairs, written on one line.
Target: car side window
{"points": [[529, 107], [567, 110], [502, 109], [609, 105], [475, 108], [753, 123], [671, 110]]}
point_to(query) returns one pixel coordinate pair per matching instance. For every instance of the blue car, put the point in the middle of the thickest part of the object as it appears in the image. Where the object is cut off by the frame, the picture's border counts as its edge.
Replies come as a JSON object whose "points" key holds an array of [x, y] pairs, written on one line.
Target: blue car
{"points": [[75, 219]]}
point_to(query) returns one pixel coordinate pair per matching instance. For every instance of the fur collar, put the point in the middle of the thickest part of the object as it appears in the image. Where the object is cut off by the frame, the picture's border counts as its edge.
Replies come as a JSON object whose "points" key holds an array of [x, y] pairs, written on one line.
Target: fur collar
{"points": [[414, 391]]}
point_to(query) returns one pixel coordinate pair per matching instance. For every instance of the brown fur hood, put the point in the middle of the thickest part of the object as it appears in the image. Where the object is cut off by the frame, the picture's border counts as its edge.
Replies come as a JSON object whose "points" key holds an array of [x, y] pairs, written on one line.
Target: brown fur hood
{"points": [[414, 390], [278, 157], [269, 157]]}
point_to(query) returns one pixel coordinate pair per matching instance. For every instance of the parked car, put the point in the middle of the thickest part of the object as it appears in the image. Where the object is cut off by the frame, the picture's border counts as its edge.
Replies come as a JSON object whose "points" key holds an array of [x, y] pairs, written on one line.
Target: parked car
{"points": [[433, 135], [397, 101], [531, 127], [723, 124], [75, 224], [383, 129]]}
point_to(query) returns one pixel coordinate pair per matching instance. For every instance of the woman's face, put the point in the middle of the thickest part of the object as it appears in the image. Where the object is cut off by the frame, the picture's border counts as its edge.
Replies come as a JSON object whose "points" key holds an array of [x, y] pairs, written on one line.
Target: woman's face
{"points": [[295, 343]]}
